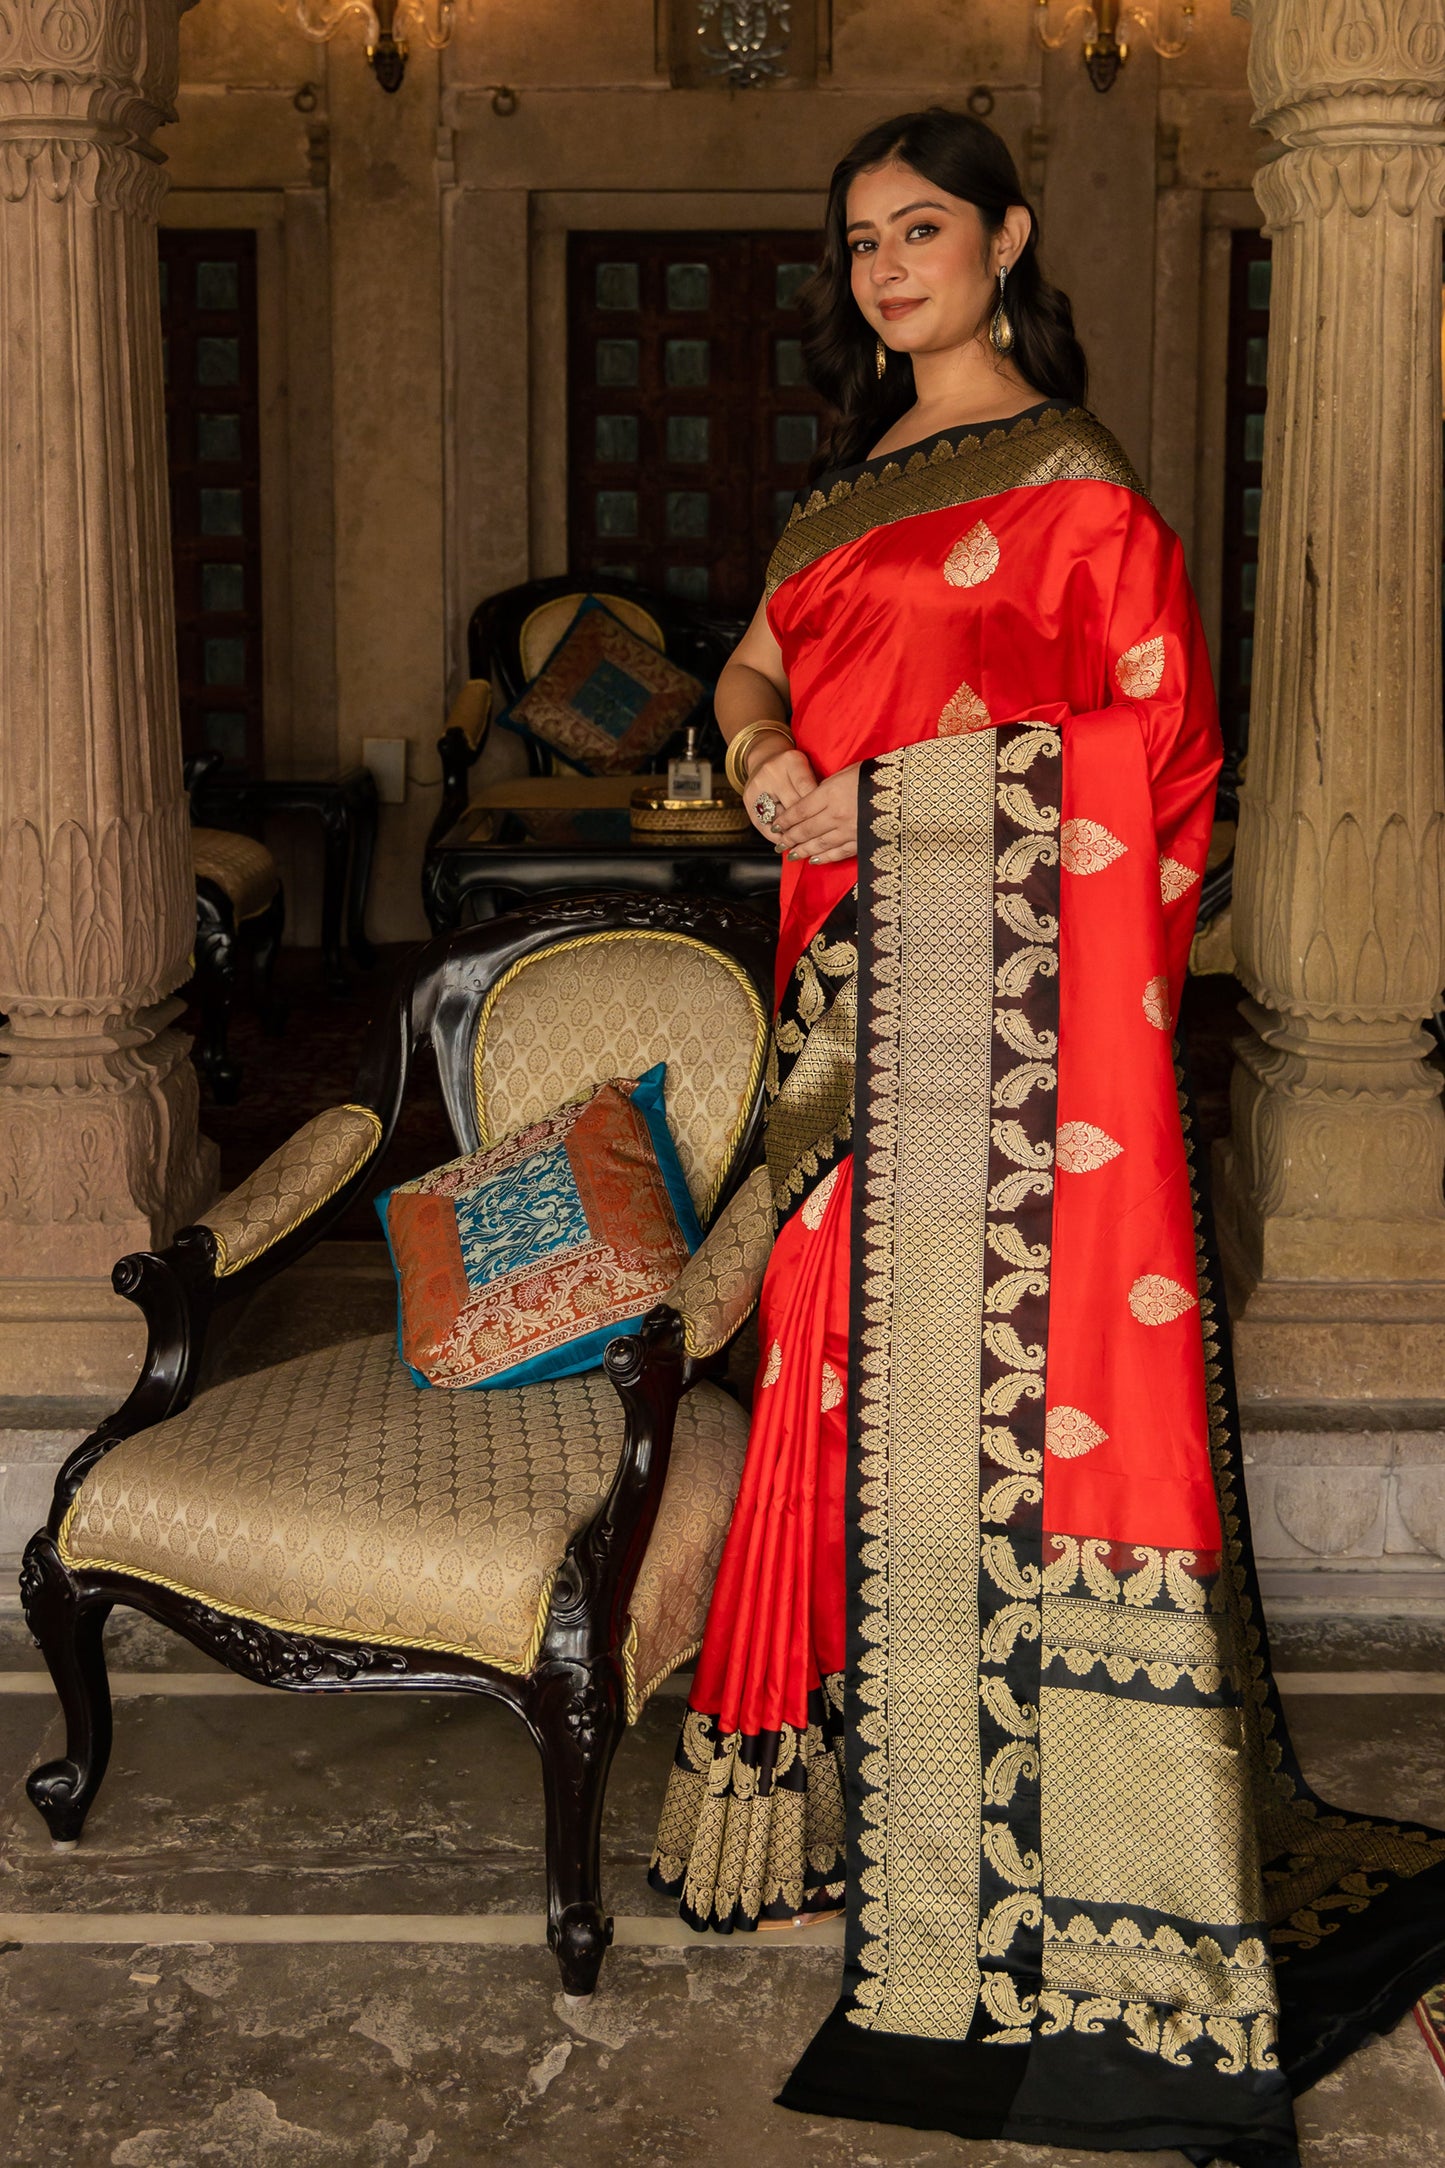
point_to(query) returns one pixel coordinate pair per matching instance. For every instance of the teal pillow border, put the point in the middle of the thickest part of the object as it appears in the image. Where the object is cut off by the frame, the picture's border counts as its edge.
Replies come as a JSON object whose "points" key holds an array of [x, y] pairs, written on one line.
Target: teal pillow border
{"points": [[648, 1097], [519, 728]]}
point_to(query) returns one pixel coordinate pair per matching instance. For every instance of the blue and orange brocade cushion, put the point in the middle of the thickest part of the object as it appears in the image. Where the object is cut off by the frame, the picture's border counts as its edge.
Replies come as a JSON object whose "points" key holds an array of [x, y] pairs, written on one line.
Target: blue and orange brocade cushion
{"points": [[605, 701], [521, 1261]]}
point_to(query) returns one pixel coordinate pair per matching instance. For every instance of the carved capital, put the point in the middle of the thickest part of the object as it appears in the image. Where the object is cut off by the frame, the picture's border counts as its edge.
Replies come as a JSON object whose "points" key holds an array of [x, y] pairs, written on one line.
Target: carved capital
{"points": [[1326, 69], [111, 64], [1405, 177]]}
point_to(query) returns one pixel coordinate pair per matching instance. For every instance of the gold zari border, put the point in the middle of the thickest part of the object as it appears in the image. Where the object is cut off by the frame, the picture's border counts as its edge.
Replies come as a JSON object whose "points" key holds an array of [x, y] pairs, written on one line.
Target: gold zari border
{"points": [[1051, 447]]}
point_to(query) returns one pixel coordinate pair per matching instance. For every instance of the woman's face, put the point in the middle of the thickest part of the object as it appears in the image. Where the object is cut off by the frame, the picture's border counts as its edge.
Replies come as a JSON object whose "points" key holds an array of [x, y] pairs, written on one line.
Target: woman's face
{"points": [[925, 274]]}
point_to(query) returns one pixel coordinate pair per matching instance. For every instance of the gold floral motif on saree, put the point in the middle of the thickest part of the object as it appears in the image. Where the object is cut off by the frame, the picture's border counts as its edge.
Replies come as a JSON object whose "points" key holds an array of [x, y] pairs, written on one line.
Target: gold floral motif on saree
{"points": [[1139, 672], [974, 559], [1082, 1148]]}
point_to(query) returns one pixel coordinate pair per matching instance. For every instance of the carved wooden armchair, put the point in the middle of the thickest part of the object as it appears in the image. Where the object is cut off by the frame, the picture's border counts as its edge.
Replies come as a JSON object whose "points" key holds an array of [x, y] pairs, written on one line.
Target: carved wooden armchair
{"points": [[325, 1526]]}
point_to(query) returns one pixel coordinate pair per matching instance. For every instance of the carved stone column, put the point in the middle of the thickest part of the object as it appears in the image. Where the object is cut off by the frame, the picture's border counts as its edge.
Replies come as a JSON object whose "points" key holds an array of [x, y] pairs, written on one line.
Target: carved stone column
{"points": [[1333, 1215], [99, 1151]]}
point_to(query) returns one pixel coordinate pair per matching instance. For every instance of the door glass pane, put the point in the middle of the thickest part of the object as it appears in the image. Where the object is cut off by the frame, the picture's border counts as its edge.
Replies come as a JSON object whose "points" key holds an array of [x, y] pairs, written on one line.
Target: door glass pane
{"points": [[688, 582], [1251, 511], [791, 278], [617, 361], [221, 511], [617, 511], [1256, 362], [223, 587], [788, 363], [795, 437], [1254, 436], [1248, 575], [782, 508], [614, 572], [218, 361], [218, 436], [688, 285], [687, 512], [1259, 277], [224, 730], [688, 437], [218, 286], [685, 361], [617, 439], [225, 662], [617, 286]]}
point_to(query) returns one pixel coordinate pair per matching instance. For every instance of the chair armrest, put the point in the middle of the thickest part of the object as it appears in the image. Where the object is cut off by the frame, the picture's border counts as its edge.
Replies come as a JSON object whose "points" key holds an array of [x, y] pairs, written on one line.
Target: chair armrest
{"points": [[294, 1182], [716, 1290]]}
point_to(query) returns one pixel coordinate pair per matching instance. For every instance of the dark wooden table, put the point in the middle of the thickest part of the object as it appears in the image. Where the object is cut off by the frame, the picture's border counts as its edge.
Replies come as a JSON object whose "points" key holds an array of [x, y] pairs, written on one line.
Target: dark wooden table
{"points": [[484, 865], [346, 806]]}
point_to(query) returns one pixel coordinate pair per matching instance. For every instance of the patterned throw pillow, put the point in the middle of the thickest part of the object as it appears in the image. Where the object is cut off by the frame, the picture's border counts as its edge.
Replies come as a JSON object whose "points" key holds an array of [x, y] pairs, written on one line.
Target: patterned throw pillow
{"points": [[522, 1261], [604, 701]]}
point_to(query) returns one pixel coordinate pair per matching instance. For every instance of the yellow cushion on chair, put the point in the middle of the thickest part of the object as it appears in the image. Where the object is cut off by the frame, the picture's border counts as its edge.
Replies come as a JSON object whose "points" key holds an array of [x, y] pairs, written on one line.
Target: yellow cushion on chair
{"points": [[328, 1496], [243, 869]]}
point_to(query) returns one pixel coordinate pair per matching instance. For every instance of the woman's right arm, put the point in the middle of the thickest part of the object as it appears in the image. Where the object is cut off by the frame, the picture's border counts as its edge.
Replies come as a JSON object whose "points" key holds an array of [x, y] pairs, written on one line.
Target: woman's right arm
{"points": [[753, 688]]}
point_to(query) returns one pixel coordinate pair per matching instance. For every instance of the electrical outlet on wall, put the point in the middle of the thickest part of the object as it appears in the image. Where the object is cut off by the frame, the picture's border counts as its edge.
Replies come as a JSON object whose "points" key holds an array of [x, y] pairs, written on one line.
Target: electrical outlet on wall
{"points": [[386, 758]]}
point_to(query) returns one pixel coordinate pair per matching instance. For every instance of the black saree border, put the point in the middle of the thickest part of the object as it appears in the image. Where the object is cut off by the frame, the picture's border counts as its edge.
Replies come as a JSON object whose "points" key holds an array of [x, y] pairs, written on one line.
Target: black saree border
{"points": [[812, 1054], [1052, 445], [957, 1037]]}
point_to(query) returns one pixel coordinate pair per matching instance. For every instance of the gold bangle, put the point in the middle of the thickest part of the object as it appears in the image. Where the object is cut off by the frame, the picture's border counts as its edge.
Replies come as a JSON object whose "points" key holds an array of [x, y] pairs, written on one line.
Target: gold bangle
{"points": [[735, 764]]}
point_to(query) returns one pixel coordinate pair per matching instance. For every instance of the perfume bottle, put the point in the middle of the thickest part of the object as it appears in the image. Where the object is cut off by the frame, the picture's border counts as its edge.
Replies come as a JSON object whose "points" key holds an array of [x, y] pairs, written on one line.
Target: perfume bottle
{"points": [[690, 777]]}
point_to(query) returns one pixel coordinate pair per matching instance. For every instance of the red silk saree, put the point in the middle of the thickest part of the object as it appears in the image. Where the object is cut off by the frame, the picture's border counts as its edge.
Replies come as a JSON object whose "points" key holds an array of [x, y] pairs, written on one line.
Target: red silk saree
{"points": [[985, 1657]]}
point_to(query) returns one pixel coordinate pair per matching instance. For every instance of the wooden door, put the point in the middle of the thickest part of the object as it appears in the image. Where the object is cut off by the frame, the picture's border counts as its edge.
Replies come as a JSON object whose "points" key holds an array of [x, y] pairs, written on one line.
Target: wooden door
{"points": [[690, 423]]}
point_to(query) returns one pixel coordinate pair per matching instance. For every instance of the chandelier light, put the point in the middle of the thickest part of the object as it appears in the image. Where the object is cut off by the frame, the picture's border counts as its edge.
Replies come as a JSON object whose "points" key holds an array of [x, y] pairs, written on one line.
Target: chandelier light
{"points": [[1104, 50], [387, 24]]}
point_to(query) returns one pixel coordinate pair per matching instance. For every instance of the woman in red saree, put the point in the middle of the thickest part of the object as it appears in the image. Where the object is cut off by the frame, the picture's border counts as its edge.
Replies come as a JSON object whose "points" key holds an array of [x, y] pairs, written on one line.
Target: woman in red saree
{"points": [[985, 1659]]}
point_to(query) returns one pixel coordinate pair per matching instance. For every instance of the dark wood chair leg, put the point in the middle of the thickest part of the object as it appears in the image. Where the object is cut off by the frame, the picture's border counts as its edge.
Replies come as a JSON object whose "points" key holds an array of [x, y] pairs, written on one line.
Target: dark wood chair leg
{"points": [[578, 1721], [215, 986], [68, 1624]]}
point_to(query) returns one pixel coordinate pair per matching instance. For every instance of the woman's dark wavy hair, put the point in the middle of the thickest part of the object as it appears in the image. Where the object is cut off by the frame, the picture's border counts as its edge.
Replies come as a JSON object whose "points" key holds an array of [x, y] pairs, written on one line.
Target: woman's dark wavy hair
{"points": [[966, 158]]}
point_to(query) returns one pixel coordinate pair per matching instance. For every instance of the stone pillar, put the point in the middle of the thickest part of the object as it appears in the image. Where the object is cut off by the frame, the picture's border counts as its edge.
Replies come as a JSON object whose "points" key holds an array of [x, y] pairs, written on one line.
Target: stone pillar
{"points": [[1332, 1211], [99, 1152]]}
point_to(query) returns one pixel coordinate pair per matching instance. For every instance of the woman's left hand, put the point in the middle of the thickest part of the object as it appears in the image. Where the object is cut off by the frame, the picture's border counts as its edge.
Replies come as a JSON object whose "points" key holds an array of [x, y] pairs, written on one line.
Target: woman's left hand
{"points": [[823, 827]]}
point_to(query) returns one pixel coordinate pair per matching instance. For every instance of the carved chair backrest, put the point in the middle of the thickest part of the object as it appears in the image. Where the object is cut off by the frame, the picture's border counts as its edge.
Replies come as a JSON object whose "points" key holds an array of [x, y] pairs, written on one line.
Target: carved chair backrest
{"points": [[529, 1012]]}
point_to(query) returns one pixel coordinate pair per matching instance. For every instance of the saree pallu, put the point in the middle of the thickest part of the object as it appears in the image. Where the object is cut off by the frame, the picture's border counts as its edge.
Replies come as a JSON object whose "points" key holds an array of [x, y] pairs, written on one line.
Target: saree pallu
{"points": [[986, 1653]]}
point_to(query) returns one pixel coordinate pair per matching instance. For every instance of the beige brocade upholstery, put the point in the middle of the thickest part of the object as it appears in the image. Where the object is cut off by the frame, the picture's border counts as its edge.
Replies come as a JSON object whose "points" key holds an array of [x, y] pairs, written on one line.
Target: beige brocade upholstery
{"points": [[607, 1005], [718, 1286], [328, 1495], [243, 869], [308, 1168]]}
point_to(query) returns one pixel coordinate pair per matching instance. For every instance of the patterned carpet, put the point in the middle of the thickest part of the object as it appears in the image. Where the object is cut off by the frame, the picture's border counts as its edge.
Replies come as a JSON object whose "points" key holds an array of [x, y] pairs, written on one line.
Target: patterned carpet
{"points": [[287, 1079]]}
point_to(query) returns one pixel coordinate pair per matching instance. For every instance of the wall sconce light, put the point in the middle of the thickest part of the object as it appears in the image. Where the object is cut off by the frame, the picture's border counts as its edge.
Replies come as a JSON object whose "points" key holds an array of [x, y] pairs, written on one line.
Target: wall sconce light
{"points": [[386, 24], [1105, 52]]}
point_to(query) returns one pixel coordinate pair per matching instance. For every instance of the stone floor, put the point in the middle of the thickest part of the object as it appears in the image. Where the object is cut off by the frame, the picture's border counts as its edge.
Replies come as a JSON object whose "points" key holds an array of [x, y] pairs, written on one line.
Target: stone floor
{"points": [[233, 1823]]}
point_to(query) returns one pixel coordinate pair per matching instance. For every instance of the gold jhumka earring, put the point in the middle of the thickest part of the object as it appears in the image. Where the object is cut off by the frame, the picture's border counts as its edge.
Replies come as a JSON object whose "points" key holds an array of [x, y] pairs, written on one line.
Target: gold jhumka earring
{"points": [[881, 358], [1001, 331]]}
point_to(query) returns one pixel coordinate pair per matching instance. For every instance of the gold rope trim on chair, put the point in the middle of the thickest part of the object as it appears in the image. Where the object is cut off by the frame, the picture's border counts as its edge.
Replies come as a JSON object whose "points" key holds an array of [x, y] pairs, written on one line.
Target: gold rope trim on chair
{"points": [[640, 933], [225, 1263], [513, 1668]]}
